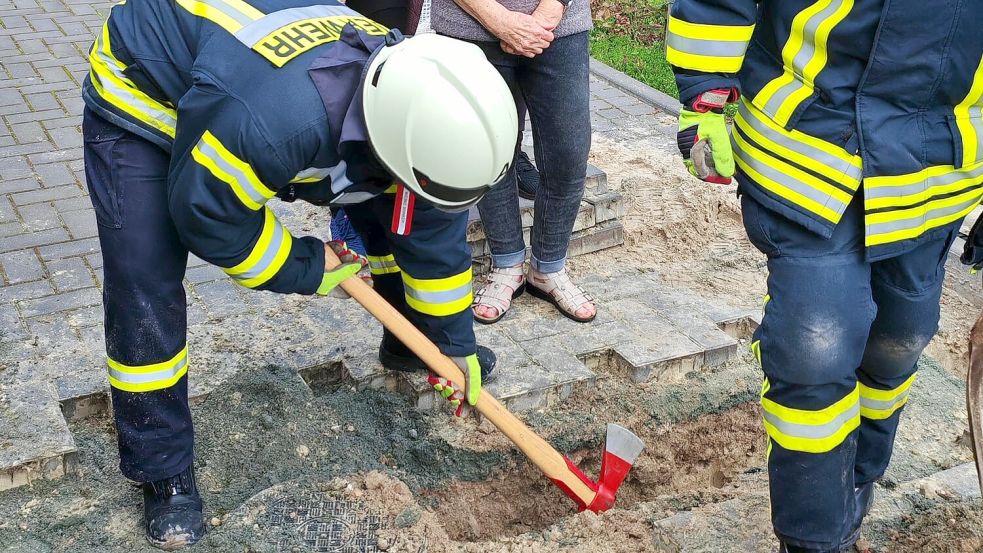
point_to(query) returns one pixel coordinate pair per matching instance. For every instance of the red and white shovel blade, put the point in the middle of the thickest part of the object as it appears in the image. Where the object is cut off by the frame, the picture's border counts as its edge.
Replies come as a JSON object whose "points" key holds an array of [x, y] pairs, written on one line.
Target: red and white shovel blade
{"points": [[620, 451]]}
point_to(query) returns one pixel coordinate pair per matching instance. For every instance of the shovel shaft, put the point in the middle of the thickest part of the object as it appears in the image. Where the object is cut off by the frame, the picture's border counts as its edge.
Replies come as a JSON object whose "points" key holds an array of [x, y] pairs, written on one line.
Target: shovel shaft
{"points": [[551, 462], [974, 395]]}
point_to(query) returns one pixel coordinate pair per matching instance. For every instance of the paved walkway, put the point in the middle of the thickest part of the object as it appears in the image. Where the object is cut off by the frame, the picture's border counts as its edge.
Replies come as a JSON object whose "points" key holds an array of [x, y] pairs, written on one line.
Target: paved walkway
{"points": [[51, 337]]}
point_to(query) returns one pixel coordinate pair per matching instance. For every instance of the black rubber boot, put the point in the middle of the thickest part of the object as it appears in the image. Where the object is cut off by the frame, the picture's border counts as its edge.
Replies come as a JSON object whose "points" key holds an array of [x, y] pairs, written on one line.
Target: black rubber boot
{"points": [[397, 357], [172, 511], [527, 176]]}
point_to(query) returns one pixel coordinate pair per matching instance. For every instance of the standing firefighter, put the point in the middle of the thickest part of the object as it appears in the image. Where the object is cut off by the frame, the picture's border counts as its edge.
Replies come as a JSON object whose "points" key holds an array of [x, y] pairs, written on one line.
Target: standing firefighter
{"points": [[858, 144], [200, 111]]}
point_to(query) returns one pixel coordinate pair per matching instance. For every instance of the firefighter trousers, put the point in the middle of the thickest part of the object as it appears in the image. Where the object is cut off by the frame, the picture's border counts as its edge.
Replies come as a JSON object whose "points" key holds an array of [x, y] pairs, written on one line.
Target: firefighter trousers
{"points": [[144, 264], [838, 346]]}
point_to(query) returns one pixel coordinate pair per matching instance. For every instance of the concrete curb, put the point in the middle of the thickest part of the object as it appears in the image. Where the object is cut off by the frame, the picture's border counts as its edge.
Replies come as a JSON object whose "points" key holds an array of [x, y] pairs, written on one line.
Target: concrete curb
{"points": [[643, 91]]}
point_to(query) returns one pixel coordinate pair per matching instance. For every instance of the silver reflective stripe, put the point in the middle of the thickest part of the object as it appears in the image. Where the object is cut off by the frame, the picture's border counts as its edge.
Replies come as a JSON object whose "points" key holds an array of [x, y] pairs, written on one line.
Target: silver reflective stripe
{"points": [[812, 431], [883, 405], [276, 241], [254, 31], [240, 177], [312, 174], [976, 119], [339, 177], [788, 182], [145, 377], [228, 10], [351, 198], [802, 57], [833, 162], [889, 191], [387, 264], [446, 296], [714, 48], [126, 94], [915, 222]]}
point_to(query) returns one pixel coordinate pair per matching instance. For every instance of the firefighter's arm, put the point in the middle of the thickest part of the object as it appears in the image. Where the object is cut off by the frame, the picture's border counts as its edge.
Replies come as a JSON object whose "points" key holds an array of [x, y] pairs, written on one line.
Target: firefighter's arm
{"points": [[217, 199], [706, 41]]}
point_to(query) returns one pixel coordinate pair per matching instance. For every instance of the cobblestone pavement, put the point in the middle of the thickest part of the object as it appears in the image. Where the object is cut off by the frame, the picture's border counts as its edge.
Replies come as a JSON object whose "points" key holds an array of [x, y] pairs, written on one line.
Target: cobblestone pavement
{"points": [[51, 343]]}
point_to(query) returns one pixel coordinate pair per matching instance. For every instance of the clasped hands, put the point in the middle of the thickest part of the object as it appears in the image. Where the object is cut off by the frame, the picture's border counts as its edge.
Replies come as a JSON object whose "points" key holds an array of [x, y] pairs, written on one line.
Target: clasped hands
{"points": [[527, 34]]}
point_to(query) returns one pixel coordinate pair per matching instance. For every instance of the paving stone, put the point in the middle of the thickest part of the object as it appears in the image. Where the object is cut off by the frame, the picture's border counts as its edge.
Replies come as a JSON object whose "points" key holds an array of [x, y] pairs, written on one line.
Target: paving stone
{"points": [[81, 224], [39, 216], [69, 249], [45, 195], [70, 274], [25, 291], [17, 185], [36, 440], [60, 302], [221, 298], [54, 174], [21, 266]]}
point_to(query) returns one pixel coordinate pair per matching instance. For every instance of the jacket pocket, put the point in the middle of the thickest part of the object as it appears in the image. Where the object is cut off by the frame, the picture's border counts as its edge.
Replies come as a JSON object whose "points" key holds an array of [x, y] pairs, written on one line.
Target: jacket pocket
{"points": [[105, 192]]}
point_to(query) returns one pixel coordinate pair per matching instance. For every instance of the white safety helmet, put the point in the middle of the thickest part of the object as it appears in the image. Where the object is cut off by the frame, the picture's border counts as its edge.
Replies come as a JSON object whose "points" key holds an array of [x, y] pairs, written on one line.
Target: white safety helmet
{"points": [[440, 118]]}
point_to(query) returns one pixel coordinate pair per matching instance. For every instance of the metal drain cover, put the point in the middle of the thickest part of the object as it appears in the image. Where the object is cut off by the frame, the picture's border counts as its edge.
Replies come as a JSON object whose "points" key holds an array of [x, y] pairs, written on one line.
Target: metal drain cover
{"points": [[297, 520]]}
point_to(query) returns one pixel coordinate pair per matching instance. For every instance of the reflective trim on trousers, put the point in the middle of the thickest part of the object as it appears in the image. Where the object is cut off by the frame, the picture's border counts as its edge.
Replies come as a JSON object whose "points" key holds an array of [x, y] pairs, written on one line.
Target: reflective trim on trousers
{"points": [[147, 378]]}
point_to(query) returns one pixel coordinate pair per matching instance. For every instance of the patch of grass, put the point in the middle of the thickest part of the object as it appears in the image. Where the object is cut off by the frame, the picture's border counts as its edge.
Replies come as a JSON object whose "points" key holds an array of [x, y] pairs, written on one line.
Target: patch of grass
{"points": [[629, 36], [645, 63]]}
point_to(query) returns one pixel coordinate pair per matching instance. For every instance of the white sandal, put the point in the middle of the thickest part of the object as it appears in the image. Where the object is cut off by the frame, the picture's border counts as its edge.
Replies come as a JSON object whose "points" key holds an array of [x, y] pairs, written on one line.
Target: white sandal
{"points": [[558, 289], [498, 292]]}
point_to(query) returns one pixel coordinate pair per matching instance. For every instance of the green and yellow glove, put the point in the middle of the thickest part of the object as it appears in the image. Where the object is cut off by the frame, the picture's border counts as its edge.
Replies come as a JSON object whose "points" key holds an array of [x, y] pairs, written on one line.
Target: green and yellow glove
{"points": [[703, 138], [351, 264], [467, 398]]}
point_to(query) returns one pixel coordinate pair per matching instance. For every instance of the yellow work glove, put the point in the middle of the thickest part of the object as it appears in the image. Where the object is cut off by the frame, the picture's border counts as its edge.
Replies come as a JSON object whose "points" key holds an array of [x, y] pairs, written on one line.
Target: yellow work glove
{"points": [[703, 138], [467, 398], [351, 264]]}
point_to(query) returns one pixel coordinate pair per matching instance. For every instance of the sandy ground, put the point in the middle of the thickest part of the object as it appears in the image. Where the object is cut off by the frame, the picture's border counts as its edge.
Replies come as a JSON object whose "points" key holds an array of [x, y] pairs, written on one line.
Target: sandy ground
{"points": [[444, 485]]}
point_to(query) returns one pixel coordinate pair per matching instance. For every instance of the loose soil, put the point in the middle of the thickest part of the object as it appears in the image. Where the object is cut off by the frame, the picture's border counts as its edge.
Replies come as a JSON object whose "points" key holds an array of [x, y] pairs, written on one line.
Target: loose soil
{"points": [[444, 485]]}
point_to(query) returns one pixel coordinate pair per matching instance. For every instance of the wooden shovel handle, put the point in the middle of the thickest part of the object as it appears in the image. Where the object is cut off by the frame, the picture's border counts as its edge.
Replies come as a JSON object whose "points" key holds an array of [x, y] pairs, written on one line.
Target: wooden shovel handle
{"points": [[974, 395], [539, 451]]}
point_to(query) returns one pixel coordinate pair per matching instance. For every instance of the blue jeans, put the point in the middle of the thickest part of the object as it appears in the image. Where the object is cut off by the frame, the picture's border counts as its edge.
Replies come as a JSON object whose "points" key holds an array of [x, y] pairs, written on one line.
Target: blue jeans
{"points": [[556, 91], [838, 344]]}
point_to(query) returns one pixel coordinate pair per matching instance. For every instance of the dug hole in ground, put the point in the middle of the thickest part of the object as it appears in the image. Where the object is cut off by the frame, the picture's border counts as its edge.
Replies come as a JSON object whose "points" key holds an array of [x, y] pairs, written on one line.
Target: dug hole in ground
{"points": [[273, 454]]}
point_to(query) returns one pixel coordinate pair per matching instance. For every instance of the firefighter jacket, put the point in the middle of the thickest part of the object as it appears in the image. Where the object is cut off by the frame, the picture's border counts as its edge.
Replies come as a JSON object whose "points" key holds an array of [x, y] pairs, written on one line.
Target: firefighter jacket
{"points": [[252, 100], [842, 95]]}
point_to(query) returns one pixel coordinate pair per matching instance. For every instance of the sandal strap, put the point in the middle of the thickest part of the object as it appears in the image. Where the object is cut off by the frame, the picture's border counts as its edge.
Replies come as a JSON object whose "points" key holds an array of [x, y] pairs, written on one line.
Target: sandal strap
{"points": [[570, 296], [499, 287]]}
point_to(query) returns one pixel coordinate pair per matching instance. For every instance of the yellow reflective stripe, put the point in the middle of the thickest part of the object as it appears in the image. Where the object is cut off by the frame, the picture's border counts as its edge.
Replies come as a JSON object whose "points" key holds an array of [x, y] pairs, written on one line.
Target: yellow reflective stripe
{"points": [[112, 85], [267, 256], [439, 297], [231, 15], [703, 31], [708, 48], [756, 350], [969, 119], [439, 284], [800, 147], [145, 378], [706, 64], [810, 431], [382, 265], [881, 404], [948, 211], [747, 156], [902, 198], [226, 167], [804, 57]]}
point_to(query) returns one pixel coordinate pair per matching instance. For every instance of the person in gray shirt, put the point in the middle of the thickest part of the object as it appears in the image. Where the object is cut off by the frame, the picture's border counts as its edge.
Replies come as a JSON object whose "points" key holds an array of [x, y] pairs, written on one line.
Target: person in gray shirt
{"points": [[541, 49]]}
